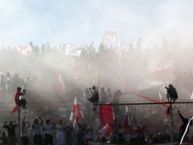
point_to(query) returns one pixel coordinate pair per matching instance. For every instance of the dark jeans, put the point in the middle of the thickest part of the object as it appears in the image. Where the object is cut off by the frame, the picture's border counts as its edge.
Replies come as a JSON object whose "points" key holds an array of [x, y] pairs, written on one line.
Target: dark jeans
{"points": [[37, 139], [12, 140], [24, 140], [48, 139]]}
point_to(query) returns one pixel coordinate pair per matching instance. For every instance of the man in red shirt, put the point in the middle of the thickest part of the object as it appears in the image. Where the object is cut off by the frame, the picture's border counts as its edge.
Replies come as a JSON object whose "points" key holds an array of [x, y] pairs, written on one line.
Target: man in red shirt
{"points": [[19, 93]]}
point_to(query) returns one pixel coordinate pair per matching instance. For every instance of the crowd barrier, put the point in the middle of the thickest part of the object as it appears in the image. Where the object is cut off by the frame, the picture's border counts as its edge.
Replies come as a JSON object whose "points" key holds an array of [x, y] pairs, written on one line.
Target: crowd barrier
{"points": [[177, 143], [174, 143], [98, 143]]}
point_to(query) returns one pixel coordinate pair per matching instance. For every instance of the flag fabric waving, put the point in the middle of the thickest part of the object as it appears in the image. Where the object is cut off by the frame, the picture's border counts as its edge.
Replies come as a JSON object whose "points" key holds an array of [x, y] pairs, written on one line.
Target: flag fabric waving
{"points": [[107, 118], [14, 109], [76, 113], [60, 86], [106, 114], [72, 50]]}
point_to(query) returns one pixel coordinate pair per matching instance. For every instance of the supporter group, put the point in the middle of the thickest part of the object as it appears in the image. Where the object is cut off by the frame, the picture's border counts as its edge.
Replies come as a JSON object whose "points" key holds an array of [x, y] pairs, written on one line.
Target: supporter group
{"points": [[60, 82]]}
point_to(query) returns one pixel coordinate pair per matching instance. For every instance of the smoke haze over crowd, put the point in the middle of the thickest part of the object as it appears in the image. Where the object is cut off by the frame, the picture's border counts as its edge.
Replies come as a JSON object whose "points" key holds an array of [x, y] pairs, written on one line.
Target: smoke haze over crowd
{"points": [[128, 45]]}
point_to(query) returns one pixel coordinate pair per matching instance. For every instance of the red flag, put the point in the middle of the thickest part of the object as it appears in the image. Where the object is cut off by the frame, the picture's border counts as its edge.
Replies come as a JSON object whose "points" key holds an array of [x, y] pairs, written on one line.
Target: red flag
{"points": [[76, 113], [15, 109], [106, 114], [155, 100]]}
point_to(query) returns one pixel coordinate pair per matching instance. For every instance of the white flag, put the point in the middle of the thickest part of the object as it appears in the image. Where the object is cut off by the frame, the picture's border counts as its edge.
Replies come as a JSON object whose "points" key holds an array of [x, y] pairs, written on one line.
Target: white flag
{"points": [[72, 50]]}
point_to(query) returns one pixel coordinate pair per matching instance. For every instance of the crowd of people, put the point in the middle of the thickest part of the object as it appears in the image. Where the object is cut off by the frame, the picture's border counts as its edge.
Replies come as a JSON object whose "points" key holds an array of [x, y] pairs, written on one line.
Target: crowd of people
{"points": [[56, 74], [90, 62], [124, 130], [136, 131], [63, 132]]}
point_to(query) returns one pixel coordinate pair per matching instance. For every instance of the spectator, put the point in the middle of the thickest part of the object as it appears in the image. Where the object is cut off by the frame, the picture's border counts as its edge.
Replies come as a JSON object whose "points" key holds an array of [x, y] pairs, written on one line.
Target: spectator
{"points": [[104, 97], [60, 133], [48, 128], [37, 131], [11, 132], [3, 84], [4, 139], [24, 132]]}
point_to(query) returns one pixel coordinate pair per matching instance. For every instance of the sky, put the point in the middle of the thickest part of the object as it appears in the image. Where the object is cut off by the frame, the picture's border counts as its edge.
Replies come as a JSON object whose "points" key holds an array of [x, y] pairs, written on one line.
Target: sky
{"points": [[84, 21]]}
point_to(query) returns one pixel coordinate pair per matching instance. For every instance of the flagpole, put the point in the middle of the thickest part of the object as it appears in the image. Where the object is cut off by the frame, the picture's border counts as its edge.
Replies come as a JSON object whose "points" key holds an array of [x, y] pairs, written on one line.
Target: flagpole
{"points": [[19, 126], [94, 124], [171, 123], [137, 104]]}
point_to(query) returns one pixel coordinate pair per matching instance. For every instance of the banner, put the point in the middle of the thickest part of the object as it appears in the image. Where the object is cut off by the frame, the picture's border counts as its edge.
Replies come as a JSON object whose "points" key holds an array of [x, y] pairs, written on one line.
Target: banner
{"points": [[106, 114], [72, 50]]}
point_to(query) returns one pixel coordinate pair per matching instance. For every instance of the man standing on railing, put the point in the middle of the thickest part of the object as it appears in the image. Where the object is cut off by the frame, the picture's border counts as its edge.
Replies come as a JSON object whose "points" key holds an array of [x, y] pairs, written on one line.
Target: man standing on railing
{"points": [[94, 99], [172, 94]]}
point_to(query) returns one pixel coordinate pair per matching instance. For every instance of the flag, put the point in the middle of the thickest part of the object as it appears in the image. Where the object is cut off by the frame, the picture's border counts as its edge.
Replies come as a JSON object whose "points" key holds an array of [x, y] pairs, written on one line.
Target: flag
{"points": [[15, 109], [72, 50], [106, 114], [76, 113], [60, 87], [160, 96], [191, 97], [154, 100], [25, 50], [125, 121]]}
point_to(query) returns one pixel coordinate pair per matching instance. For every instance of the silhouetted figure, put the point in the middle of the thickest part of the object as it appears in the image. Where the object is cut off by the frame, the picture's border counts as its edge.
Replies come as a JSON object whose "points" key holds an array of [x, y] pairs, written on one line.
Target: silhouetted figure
{"points": [[95, 96], [116, 96], [37, 131], [3, 84], [60, 140], [80, 132], [11, 132], [48, 133], [4, 139], [86, 95], [172, 94], [183, 126], [9, 86], [103, 95], [109, 94], [69, 130], [24, 131]]}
